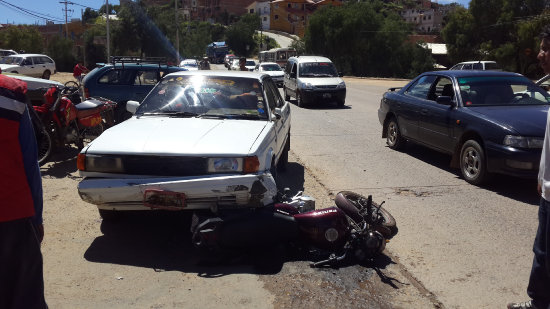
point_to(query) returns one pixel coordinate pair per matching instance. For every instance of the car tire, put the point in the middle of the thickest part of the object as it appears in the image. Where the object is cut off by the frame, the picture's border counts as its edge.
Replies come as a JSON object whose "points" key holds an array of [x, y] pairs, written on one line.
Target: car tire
{"points": [[46, 74], [473, 165], [109, 215], [299, 100], [394, 140], [283, 161], [341, 103], [287, 97]]}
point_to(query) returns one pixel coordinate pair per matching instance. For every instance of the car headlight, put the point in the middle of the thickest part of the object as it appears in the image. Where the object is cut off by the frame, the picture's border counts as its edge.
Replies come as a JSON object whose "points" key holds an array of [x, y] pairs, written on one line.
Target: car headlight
{"points": [[341, 85], [523, 141], [225, 165], [308, 86], [98, 163]]}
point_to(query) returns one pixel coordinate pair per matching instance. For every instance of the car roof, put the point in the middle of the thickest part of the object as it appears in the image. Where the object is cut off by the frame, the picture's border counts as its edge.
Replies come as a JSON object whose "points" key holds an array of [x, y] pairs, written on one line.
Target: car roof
{"points": [[31, 55], [480, 61], [313, 59], [468, 73], [246, 74], [269, 63]]}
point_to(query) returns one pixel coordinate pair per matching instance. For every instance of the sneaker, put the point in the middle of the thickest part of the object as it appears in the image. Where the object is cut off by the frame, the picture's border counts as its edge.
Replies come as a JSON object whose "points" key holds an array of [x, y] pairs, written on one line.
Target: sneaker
{"points": [[523, 305]]}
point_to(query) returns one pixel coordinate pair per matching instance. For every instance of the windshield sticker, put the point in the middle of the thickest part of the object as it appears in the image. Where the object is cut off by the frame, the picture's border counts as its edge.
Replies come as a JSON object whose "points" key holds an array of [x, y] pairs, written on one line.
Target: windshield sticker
{"points": [[223, 82], [468, 103], [261, 111], [465, 87], [179, 78], [162, 91], [208, 90]]}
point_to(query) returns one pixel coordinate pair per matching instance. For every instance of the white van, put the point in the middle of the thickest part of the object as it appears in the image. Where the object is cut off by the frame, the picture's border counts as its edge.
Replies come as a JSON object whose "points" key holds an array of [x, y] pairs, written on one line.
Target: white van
{"points": [[477, 65], [312, 79]]}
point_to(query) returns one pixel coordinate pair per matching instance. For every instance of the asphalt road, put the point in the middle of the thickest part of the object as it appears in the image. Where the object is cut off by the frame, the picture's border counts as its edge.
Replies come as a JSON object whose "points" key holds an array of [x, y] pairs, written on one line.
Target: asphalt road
{"points": [[470, 246]]}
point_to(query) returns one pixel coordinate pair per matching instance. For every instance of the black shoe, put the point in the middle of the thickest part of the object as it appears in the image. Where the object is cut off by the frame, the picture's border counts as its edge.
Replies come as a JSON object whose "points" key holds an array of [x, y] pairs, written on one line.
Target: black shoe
{"points": [[524, 305]]}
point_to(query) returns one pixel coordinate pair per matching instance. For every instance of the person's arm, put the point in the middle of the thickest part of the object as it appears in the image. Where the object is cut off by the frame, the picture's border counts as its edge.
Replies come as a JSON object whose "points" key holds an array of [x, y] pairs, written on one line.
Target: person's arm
{"points": [[29, 150]]}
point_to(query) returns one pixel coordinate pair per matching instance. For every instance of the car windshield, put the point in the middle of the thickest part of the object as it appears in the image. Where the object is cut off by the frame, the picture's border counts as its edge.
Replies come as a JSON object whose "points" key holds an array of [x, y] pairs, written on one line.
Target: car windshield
{"points": [[317, 69], [250, 63], [190, 64], [11, 60], [271, 67], [501, 90], [206, 97]]}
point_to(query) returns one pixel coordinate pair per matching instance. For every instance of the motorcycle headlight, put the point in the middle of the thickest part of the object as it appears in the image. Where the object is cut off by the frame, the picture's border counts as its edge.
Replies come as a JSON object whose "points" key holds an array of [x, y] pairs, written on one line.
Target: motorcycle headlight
{"points": [[341, 85], [225, 165], [523, 141], [101, 164]]}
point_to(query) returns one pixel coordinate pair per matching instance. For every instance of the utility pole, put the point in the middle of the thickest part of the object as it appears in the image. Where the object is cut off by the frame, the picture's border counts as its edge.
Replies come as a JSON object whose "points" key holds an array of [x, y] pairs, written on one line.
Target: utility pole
{"points": [[177, 35], [108, 38], [66, 11]]}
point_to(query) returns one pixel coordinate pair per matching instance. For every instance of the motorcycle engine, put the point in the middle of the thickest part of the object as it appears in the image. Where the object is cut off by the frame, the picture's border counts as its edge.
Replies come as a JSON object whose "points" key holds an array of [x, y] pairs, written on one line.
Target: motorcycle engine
{"points": [[369, 245], [72, 135]]}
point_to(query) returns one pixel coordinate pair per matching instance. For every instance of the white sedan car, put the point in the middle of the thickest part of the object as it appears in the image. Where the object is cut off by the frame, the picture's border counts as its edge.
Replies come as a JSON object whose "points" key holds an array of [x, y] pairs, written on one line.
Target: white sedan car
{"points": [[273, 70], [29, 64], [190, 64], [199, 140]]}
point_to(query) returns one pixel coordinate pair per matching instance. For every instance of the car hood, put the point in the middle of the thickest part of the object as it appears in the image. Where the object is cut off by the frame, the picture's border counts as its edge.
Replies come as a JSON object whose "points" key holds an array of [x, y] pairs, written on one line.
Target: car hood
{"points": [[274, 73], [321, 81], [176, 136], [528, 120], [5, 67]]}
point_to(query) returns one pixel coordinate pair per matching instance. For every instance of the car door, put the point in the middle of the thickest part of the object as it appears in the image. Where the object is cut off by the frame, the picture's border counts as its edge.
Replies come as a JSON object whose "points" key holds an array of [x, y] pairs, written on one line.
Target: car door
{"points": [[115, 84], [407, 107], [274, 100], [291, 78], [27, 67], [436, 120]]}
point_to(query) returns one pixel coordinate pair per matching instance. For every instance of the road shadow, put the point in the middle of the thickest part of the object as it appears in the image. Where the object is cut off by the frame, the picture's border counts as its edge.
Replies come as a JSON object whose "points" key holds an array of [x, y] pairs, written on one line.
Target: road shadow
{"points": [[323, 105], [62, 163], [522, 190]]}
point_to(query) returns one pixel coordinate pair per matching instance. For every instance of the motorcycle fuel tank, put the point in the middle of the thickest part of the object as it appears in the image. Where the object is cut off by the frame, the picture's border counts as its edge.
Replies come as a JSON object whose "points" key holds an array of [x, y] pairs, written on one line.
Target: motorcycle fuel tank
{"points": [[325, 228]]}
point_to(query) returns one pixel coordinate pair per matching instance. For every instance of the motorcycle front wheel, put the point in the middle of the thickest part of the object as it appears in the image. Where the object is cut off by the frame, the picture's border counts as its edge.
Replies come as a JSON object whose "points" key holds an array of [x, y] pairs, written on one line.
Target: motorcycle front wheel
{"points": [[352, 203], [45, 146]]}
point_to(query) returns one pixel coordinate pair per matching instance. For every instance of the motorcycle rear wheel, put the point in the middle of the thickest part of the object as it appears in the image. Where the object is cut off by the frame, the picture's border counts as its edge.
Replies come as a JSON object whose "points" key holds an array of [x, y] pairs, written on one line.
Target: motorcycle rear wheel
{"points": [[351, 203]]}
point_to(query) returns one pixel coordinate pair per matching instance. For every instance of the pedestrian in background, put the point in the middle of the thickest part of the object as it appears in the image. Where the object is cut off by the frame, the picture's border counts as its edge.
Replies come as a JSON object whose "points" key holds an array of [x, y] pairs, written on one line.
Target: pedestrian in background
{"points": [[79, 68], [242, 63], [539, 281], [21, 229]]}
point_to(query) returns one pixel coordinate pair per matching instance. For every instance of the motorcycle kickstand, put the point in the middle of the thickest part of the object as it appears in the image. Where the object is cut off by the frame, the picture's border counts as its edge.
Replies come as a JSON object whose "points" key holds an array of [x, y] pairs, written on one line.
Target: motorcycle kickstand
{"points": [[330, 261]]}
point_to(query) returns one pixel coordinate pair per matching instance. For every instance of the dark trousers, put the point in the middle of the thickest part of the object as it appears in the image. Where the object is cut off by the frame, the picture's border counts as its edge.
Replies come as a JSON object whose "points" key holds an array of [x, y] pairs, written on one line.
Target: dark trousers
{"points": [[539, 281], [21, 277]]}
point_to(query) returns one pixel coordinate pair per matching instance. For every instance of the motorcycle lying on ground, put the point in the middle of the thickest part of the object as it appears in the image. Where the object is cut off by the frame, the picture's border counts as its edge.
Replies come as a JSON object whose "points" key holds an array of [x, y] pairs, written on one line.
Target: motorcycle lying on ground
{"points": [[59, 122], [355, 227]]}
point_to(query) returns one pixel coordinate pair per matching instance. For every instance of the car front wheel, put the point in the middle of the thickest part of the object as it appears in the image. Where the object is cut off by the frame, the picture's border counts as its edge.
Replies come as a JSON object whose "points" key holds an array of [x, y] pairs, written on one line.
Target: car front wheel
{"points": [[472, 163], [287, 97], [299, 100], [393, 135]]}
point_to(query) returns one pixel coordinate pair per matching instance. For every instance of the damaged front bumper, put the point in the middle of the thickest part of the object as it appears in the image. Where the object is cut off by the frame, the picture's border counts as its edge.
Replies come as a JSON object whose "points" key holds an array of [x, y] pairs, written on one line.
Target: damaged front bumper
{"points": [[206, 192]]}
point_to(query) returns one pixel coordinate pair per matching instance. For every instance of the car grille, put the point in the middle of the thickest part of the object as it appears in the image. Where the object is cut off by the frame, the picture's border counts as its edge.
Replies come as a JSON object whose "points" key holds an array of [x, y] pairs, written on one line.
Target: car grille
{"points": [[326, 86], [164, 166]]}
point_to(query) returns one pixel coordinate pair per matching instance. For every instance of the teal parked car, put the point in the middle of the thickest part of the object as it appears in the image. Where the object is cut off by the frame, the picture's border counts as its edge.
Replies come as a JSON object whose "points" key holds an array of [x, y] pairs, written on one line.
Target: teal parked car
{"points": [[125, 79]]}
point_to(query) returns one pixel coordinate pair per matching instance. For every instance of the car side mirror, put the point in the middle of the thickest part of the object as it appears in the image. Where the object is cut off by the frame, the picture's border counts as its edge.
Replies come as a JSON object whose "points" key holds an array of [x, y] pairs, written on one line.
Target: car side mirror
{"points": [[444, 100], [278, 113], [132, 106]]}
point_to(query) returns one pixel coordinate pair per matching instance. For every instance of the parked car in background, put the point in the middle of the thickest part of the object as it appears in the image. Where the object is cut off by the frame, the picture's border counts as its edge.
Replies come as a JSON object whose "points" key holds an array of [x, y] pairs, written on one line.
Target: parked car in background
{"points": [[488, 121], [209, 140], [235, 65], [124, 79], [228, 59], [250, 64], [34, 65], [7, 52], [477, 65], [313, 79], [190, 64], [273, 70]]}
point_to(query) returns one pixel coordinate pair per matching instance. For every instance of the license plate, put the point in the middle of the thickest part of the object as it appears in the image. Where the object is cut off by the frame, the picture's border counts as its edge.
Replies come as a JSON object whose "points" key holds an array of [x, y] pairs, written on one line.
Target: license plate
{"points": [[326, 95], [162, 199]]}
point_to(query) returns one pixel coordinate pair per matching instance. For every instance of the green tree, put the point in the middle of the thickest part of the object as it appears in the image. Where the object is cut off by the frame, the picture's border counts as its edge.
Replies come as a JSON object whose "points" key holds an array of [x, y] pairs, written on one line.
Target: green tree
{"points": [[22, 38], [60, 49], [240, 35], [89, 15]]}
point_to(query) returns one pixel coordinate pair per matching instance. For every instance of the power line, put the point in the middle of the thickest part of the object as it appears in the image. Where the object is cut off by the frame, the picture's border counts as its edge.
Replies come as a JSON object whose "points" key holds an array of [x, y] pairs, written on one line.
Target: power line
{"points": [[29, 12]]}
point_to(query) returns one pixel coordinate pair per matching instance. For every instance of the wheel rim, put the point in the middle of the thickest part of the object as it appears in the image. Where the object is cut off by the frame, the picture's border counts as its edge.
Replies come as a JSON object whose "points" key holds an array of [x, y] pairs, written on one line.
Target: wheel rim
{"points": [[471, 162], [45, 147], [392, 133]]}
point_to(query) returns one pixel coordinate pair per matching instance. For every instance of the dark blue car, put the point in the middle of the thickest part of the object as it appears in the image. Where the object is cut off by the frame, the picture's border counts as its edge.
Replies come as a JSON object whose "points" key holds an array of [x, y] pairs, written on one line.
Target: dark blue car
{"points": [[490, 122]]}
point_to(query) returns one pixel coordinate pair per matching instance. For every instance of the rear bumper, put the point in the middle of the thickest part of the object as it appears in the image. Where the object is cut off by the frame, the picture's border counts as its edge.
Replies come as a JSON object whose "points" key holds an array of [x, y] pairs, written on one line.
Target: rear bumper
{"points": [[512, 161], [205, 192]]}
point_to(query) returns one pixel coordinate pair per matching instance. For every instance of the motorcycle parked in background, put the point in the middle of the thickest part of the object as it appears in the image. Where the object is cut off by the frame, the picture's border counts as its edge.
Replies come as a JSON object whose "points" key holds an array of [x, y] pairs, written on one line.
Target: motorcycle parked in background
{"points": [[355, 227], [59, 122]]}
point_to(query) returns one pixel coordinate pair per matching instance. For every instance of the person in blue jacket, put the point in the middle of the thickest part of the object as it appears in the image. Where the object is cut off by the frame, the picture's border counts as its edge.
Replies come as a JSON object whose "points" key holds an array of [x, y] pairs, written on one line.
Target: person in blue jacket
{"points": [[21, 229]]}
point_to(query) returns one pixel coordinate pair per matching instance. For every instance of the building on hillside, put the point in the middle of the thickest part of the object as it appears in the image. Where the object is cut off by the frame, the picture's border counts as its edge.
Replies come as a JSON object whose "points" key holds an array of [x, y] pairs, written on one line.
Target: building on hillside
{"points": [[427, 16], [212, 10], [262, 8], [292, 16]]}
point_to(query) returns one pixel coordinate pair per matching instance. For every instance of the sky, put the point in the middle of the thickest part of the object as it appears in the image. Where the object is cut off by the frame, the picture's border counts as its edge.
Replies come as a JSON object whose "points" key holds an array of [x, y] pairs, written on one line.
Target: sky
{"points": [[37, 10]]}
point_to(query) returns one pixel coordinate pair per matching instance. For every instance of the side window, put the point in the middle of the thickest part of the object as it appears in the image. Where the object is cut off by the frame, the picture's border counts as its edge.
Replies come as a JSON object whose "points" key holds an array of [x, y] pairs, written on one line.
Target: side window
{"points": [[443, 87], [116, 77], [27, 61], [288, 66], [467, 66], [279, 102], [46, 60], [477, 66], [421, 87], [293, 70], [37, 60], [145, 78]]}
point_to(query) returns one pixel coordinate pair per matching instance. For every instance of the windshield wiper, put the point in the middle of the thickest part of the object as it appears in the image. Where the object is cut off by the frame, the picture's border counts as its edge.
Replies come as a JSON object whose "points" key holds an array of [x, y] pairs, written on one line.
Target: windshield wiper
{"points": [[243, 116], [171, 114]]}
